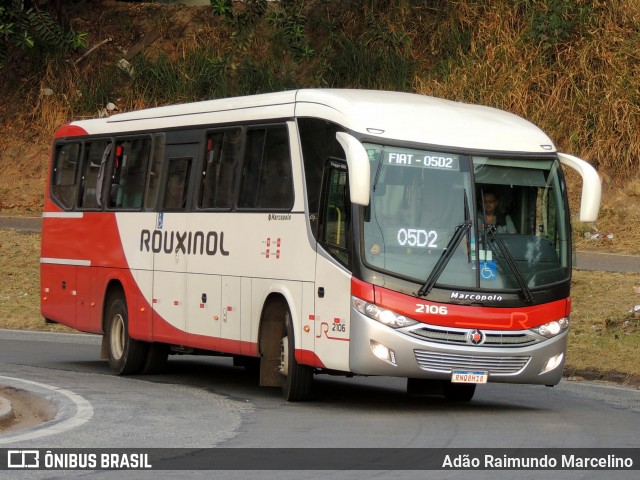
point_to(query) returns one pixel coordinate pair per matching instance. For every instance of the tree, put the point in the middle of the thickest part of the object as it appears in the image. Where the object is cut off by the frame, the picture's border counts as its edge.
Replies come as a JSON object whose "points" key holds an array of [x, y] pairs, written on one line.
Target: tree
{"points": [[30, 26]]}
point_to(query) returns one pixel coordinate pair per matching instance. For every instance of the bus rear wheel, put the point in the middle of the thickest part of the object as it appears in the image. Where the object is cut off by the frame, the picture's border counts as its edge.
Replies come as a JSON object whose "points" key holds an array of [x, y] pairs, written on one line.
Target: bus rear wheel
{"points": [[126, 355], [297, 379]]}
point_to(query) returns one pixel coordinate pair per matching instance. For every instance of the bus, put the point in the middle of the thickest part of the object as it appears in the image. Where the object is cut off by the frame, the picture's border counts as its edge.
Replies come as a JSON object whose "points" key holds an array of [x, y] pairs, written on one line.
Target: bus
{"points": [[317, 231]]}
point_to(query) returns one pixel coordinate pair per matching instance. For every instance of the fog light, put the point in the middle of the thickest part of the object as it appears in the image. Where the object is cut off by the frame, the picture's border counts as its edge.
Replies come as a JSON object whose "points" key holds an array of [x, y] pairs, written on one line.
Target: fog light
{"points": [[383, 353], [552, 363]]}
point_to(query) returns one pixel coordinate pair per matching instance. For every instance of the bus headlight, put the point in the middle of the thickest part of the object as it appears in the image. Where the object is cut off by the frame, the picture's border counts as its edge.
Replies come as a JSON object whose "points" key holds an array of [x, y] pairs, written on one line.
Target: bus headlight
{"points": [[554, 328], [382, 315]]}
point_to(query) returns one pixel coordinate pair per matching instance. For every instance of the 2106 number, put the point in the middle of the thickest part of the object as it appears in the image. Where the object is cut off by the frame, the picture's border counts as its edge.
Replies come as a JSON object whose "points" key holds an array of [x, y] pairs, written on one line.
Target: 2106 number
{"points": [[432, 309]]}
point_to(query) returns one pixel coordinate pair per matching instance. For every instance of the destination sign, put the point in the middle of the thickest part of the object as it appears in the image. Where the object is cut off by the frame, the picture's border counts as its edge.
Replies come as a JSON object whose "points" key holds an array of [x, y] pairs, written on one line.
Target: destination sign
{"points": [[421, 158]]}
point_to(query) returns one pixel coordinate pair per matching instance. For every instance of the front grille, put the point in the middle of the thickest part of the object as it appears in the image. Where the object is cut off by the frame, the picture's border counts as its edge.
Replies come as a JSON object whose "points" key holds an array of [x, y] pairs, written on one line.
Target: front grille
{"points": [[459, 337], [446, 362]]}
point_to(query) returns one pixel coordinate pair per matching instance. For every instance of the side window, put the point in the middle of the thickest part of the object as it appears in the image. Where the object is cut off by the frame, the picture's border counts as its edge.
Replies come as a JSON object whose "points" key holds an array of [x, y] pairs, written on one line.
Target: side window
{"points": [[266, 173], [96, 156], [218, 178], [129, 172], [335, 217], [65, 174], [318, 142], [153, 183], [175, 195]]}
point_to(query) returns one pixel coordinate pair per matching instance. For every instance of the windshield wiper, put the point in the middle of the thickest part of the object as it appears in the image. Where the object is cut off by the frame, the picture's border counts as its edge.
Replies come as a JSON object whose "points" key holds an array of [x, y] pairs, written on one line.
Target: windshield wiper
{"points": [[445, 256], [493, 231]]}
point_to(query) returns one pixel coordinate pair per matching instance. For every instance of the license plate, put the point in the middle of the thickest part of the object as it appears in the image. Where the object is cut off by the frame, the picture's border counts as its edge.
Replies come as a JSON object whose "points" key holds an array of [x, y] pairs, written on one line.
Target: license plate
{"points": [[463, 376]]}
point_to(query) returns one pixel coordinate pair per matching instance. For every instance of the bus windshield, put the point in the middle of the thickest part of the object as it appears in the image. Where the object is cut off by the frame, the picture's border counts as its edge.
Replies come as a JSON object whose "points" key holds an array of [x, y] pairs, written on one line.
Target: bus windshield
{"points": [[510, 213]]}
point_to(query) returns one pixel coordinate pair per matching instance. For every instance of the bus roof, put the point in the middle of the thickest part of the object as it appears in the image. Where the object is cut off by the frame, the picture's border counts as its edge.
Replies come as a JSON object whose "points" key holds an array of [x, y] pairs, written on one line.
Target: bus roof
{"points": [[377, 114]]}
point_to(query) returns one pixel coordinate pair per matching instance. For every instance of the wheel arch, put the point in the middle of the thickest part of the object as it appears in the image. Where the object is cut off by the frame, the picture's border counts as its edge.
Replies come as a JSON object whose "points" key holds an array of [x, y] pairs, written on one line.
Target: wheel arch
{"points": [[286, 297], [271, 323]]}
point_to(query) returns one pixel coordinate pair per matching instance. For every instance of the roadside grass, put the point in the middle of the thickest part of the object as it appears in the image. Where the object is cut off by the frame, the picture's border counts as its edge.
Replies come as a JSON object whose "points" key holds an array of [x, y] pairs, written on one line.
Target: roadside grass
{"points": [[605, 334], [603, 338], [20, 283]]}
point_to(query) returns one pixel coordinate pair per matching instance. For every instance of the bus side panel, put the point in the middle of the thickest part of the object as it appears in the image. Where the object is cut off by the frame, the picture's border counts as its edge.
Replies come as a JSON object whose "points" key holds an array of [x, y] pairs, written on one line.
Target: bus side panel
{"points": [[87, 245], [332, 329], [84, 305], [58, 296], [305, 354]]}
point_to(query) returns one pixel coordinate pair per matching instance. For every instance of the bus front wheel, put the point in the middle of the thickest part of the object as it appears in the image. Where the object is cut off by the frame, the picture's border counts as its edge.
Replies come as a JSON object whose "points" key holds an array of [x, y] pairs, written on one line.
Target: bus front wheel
{"points": [[126, 355], [297, 379]]}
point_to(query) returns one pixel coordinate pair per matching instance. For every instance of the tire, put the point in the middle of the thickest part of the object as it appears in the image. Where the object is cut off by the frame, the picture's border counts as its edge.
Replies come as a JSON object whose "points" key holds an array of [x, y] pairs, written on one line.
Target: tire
{"points": [[459, 392], [296, 379], [156, 358], [126, 355]]}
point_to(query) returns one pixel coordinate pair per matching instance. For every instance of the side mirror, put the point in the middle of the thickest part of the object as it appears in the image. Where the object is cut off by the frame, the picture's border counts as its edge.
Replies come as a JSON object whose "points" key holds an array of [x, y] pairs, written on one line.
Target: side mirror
{"points": [[359, 169], [591, 186]]}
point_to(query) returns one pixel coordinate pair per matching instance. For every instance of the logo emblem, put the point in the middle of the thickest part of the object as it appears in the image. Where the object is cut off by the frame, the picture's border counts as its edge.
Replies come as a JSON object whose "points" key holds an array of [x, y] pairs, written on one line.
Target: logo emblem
{"points": [[475, 337]]}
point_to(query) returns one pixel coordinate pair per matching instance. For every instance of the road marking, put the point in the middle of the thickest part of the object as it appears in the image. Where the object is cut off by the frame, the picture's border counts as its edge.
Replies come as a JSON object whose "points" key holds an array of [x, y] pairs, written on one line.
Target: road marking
{"points": [[84, 412]]}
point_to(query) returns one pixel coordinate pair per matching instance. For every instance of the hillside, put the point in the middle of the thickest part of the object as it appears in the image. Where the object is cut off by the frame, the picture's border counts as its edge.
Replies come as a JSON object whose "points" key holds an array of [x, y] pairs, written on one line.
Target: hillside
{"points": [[570, 67]]}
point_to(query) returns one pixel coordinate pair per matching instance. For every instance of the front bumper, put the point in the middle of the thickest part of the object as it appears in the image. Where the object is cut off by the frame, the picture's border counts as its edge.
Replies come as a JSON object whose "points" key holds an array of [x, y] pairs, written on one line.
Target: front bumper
{"points": [[416, 358]]}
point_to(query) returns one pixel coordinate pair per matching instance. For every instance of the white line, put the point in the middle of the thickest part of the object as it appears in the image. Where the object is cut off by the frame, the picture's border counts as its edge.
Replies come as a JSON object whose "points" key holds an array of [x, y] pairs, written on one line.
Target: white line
{"points": [[83, 414], [65, 261], [63, 215]]}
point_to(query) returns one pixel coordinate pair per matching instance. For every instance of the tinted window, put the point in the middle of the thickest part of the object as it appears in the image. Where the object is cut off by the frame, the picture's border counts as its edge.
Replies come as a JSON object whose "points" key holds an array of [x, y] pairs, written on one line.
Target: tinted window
{"points": [[96, 156], [153, 184], [175, 195], [65, 174], [218, 178], [318, 141], [129, 172], [266, 175], [337, 211]]}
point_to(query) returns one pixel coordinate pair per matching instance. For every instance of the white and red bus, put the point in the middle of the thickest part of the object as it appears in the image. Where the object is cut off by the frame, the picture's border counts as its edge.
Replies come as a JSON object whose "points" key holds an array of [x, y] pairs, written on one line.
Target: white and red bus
{"points": [[317, 231]]}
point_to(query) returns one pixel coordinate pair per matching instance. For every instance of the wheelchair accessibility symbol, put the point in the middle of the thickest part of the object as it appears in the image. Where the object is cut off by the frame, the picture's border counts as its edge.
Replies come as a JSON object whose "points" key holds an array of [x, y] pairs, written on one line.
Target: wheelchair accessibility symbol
{"points": [[488, 270]]}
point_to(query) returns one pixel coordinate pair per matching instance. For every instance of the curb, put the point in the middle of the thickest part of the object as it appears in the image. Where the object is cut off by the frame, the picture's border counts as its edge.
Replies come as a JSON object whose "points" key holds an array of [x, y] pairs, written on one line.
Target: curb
{"points": [[6, 412]]}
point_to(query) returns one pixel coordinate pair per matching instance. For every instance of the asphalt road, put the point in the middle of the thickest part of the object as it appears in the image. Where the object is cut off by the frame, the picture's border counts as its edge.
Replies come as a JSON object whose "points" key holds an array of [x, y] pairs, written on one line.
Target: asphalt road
{"points": [[605, 262], [203, 402]]}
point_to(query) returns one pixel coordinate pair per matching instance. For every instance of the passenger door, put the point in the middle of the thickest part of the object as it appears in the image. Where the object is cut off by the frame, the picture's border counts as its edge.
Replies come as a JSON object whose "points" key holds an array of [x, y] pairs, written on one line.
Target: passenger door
{"points": [[333, 277], [170, 244]]}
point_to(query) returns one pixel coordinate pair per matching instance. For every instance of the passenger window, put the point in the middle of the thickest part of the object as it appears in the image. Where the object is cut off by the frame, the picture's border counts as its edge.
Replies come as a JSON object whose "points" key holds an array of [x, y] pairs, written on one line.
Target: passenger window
{"points": [[65, 174], [153, 183], [175, 195], [129, 173], [266, 174], [218, 178], [96, 155]]}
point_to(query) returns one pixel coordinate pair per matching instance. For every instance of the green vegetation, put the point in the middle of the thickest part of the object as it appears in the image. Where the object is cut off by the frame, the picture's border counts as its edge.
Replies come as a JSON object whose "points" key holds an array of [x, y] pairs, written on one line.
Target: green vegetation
{"points": [[570, 67], [34, 32]]}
